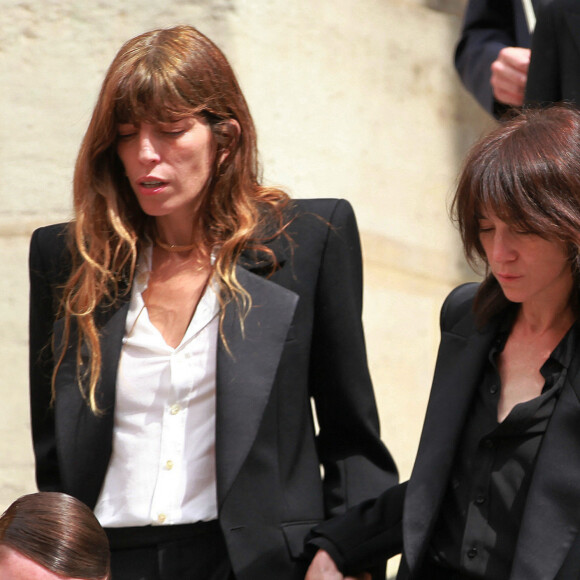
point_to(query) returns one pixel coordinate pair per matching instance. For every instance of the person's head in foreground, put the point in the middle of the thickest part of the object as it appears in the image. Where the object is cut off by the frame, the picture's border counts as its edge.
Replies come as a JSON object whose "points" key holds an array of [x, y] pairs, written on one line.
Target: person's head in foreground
{"points": [[52, 536]]}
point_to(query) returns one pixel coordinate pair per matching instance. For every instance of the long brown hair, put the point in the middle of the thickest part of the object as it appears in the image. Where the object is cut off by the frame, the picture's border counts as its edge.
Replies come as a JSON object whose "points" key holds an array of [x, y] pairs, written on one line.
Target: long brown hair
{"points": [[58, 532], [527, 172], [162, 75]]}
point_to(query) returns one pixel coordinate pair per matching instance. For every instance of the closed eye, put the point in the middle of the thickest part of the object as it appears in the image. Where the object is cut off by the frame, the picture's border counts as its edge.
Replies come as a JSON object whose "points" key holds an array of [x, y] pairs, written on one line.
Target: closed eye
{"points": [[173, 133], [126, 131]]}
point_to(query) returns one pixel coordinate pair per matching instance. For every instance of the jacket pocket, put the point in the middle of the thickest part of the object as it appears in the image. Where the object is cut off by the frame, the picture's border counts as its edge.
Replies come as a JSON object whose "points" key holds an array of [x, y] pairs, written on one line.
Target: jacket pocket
{"points": [[294, 534]]}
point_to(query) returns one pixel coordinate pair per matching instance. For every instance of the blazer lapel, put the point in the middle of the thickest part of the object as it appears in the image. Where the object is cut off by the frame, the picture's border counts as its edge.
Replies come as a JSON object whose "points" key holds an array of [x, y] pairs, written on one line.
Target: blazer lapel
{"points": [[84, 440], [460, 361], [551, 519], [246, 373]]}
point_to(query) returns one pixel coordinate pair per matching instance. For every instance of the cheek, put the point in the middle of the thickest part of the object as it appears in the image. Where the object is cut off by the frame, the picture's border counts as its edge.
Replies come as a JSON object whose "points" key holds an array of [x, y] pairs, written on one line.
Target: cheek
{"points": [[123, 156]]}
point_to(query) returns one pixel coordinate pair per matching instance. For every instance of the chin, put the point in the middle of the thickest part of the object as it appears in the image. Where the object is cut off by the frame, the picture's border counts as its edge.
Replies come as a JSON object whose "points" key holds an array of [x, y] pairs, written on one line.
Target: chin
{"points": [[512, 296]]}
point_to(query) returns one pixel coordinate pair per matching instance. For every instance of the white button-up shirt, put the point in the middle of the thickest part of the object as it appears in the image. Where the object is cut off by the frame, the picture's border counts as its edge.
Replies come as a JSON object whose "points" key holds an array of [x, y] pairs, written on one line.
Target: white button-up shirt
{"points": [[162, 468]]}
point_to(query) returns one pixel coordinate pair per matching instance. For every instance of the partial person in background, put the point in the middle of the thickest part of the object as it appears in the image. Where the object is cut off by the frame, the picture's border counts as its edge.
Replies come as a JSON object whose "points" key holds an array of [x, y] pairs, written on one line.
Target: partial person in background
{"points": [[52, 536], [182, 324], [554, 74], [493, 52], [494, 493]]}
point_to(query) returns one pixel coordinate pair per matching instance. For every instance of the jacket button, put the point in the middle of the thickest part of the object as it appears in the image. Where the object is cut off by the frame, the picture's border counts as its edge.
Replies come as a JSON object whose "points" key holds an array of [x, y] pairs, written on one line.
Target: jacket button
{"points": [[472, 553]]}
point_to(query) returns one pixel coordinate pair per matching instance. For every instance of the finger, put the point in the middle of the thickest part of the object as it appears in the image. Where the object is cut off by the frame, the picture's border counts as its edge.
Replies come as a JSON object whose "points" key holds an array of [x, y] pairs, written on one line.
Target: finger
{"points": [[515, 57], [507, 78], [508, 85]]}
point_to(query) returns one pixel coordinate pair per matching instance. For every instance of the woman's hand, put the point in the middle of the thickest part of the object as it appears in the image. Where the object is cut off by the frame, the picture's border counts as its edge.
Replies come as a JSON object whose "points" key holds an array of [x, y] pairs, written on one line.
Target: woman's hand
{"points": [[324, 568]]}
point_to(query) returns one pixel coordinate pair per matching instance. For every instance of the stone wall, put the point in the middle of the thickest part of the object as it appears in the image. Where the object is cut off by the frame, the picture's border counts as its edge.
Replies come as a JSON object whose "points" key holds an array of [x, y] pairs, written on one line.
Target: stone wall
{"points": [[352, 98]]}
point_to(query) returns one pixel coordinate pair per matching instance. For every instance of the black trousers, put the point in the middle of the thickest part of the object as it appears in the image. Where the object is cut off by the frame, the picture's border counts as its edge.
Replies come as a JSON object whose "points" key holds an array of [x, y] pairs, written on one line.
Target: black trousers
{"points": [[184, 552]]}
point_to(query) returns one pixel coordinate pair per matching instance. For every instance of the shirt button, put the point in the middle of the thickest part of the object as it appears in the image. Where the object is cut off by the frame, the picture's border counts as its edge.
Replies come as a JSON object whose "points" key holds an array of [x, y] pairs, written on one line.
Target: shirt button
{"points": [[472, 553], [175, 409], [169, 465], [161, 518]]}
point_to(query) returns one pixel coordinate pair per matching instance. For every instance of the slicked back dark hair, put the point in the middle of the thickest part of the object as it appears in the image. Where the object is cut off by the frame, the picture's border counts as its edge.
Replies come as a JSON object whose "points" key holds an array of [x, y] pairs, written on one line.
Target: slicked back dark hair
{"points": [[58, 532]]}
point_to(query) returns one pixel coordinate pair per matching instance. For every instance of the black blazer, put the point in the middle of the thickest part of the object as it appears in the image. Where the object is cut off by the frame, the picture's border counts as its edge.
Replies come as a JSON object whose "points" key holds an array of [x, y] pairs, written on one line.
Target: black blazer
{"points": [[303, 338], [554, 73], [547, 547], [488, 26]]}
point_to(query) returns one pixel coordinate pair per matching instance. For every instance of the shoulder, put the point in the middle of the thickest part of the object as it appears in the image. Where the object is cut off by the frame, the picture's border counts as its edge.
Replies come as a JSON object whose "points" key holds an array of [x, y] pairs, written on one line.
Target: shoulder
{"points": [[329, 209], [457, 310], [52, 235], [316, 222], [49, 247]]}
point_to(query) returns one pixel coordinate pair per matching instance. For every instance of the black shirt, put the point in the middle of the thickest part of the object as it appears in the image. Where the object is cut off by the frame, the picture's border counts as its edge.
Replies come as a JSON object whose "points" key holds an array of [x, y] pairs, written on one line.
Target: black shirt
{"points": [[478, 525]]}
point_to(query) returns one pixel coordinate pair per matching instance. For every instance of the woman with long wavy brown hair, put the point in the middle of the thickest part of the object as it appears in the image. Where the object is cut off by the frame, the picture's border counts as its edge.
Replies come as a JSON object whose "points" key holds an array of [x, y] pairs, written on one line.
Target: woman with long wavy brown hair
{"points": [[182, 322]]}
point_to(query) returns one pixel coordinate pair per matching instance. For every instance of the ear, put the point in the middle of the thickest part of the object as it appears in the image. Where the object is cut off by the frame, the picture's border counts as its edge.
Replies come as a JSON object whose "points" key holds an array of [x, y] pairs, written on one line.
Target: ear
{"points": [[229, 134]]}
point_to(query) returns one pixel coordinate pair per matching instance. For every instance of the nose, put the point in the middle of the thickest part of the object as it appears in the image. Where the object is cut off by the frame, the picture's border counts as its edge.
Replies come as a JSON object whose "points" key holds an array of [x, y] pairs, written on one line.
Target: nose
{"points": [[503, 249], [148, 152]]}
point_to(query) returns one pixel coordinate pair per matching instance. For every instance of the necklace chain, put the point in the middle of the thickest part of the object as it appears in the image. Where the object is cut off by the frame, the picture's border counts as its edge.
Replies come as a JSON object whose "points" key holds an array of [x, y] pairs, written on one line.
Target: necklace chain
{"points": [[174, 247]]}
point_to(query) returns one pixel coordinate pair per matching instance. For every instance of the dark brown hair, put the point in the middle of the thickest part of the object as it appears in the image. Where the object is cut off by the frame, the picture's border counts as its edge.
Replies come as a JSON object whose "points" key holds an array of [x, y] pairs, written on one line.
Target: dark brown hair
{"points": [[527, 172], [161, 75], [58, 532]]}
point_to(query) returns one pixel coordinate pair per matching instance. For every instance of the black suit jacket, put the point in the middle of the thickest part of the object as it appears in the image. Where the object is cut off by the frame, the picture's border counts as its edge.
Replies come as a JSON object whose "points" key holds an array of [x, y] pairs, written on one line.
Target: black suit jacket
{"points": [[303, 338], [405, 516], [488, 26], [554, 73]]}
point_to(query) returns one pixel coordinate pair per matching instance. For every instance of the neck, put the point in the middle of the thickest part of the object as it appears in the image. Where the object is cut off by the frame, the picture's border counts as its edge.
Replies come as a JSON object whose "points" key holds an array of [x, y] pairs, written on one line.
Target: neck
{"points": [[551, 317]]}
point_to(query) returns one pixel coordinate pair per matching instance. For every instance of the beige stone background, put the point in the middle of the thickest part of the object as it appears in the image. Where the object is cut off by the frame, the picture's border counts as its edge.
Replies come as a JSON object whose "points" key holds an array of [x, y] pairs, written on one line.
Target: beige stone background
{"points": [[352, 98]]}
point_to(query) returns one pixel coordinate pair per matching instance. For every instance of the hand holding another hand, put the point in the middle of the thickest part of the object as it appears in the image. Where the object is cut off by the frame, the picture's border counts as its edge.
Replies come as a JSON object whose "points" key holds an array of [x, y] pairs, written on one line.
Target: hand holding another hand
{"points": [[324, 568]]}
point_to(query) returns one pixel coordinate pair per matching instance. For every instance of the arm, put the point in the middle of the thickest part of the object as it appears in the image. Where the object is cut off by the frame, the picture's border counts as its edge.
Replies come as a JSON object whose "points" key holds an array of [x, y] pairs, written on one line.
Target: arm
{"points": [[356, 464], [41, 318], [324, 568], [361, 538], [488, 38]]}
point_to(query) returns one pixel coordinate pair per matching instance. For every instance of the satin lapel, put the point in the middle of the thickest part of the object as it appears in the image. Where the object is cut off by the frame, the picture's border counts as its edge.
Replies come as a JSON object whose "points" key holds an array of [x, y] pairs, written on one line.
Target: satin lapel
{"points": [[84, 440], [551, 519], [246, 374], [459, 366]]}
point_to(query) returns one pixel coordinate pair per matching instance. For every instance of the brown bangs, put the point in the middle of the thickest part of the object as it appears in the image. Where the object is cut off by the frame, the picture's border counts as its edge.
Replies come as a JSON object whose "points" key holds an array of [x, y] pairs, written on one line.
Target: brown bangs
{"points": [[526, 177], [154, 91], [511, 194]]}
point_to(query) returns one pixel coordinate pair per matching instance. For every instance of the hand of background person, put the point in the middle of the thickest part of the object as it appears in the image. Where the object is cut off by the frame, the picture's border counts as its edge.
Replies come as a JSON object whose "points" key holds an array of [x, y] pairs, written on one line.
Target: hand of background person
{"points": [[324, 568], [509, 73]]}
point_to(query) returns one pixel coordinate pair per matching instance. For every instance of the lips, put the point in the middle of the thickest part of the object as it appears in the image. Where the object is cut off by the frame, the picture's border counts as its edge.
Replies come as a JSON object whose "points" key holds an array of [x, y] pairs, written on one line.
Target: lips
{"points": [[151, 185], [507, 277]]}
